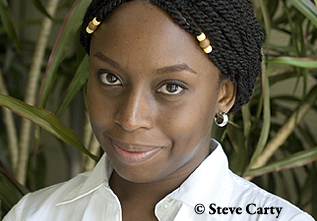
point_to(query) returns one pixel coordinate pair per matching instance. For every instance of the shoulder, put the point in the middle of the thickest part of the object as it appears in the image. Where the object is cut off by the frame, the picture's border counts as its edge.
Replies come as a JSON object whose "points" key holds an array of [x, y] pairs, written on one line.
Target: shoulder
{"points": [[258, 202], [44, 199]]}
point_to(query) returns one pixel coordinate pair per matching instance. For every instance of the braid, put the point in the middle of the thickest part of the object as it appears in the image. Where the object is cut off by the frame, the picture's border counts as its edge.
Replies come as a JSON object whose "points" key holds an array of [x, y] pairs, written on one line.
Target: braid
{"points": [[179, 15], [232, 29]]}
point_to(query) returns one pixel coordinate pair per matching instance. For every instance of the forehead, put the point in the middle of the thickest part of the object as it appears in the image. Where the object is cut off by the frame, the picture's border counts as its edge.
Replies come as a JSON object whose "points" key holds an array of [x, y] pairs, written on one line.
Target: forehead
{"points": [[144, 33]]}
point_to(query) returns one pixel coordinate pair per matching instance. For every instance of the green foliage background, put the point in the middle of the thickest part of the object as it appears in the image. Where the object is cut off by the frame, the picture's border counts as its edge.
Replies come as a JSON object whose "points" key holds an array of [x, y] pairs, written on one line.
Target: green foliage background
{"points": [[268, 141]]}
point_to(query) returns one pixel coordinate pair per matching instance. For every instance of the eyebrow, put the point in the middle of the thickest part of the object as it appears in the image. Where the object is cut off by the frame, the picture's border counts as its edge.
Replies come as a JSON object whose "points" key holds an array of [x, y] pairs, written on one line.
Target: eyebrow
{"points": [[107, 60], [164, 70], [175, 68]]}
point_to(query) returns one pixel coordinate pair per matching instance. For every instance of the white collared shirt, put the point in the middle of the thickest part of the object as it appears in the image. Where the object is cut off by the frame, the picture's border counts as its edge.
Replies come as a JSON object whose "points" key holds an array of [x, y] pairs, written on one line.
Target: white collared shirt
{"points": [[212, 185]]}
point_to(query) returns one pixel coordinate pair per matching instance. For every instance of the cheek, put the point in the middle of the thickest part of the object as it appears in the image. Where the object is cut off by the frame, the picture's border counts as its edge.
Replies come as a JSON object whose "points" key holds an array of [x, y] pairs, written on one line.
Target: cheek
{"points": [[190, 120], [97, 108], [92, 101]]}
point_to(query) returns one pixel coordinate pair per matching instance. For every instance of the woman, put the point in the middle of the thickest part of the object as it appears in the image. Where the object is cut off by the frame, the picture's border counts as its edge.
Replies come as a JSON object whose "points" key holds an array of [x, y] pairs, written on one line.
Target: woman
{"points": [[160, 71]]}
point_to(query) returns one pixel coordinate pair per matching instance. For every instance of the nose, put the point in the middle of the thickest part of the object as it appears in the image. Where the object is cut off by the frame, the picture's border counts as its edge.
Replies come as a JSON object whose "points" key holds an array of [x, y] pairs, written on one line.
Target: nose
{"points": [[135, 112]]}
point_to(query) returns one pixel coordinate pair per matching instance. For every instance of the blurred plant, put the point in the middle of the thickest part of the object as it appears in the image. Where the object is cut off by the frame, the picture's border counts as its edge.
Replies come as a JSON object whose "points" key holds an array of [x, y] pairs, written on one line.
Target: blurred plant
{"points": [[266, 136], [15, 69]]}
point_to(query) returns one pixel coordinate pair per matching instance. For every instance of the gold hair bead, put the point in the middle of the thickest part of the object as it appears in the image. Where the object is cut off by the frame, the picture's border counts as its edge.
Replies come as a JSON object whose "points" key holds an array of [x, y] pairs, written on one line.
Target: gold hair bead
{"points": [[95, 22], [92, 26], [208, 49], [204, 43], [89, 31], [201, 37]]}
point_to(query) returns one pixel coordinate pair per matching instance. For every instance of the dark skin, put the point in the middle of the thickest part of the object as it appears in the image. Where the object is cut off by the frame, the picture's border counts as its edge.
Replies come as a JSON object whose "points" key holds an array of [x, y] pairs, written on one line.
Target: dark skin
{"points": [[152, 95]]}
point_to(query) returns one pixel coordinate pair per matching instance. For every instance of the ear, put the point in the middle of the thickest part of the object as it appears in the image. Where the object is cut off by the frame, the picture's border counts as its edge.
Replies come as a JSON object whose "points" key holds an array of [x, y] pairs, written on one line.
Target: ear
{"points": [[227, 95]]}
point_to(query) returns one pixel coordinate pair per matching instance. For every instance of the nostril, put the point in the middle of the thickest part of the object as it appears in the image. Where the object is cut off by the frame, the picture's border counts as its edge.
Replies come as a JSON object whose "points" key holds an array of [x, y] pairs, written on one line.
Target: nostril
{"points": [[135, 112], [133, 120], [129, 124]]}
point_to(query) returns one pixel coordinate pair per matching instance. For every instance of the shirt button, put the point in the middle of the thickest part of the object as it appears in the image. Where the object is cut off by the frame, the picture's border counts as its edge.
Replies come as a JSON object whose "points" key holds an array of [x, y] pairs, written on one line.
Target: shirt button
{"points": [[166, 206]]}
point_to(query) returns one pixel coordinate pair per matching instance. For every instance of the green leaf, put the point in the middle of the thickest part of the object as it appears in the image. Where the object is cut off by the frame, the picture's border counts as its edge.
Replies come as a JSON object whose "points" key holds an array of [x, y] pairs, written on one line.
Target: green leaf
{"points": [[276, 78], [238, 156], [286, 98], [267, 22], [296, 62], [307, 134], [65, 39], [272, 7], [310, 183], [281, 49], [38, 4], [77, 83], [36, 173], [246, 121], [46, 120], [266, 114], [8, 23], [314, 192], [306, 9], [10, 190], [296, 160]]}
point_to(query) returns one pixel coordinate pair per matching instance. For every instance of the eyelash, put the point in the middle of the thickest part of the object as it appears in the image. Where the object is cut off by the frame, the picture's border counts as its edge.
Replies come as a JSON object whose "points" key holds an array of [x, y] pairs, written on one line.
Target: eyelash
{"points": [[180, 88], [103, 74]]}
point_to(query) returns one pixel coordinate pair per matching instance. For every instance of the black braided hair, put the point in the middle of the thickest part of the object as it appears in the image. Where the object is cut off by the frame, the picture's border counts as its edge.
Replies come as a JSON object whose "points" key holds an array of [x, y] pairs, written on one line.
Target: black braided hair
{"points": [[234, 33]]}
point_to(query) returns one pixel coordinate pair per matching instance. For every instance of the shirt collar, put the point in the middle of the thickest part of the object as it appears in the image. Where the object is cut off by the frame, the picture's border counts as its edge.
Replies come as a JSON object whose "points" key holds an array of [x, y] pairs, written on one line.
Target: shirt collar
{"points": [[98, 177], [212, 174]]}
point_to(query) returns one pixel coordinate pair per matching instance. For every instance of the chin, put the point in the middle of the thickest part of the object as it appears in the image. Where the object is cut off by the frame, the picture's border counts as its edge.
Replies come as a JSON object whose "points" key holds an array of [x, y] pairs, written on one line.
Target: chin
{"points": [[137, 175]]}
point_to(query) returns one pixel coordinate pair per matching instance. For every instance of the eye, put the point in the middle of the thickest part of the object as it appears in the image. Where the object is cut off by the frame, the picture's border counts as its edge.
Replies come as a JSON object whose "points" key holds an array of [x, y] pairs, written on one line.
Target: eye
{"points": [[171, 89], [109, 78]]}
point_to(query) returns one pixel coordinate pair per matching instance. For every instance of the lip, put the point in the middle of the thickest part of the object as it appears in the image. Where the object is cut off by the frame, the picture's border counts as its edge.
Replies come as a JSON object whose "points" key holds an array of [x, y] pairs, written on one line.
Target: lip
{"points": [[132, 153]]}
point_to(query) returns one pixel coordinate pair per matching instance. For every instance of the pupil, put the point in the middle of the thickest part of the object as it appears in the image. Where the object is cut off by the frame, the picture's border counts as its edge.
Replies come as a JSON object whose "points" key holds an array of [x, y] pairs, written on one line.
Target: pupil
{"points": [[171, 87], [111, 78]]}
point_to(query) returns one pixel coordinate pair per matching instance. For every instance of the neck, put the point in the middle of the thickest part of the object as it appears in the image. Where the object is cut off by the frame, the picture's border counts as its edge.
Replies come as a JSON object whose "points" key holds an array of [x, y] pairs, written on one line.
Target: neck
{"points": [[138, 200], [146, 193]]}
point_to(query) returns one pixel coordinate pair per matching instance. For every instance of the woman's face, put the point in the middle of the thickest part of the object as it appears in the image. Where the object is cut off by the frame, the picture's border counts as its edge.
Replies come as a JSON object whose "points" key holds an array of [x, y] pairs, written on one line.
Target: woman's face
{"points": [[152, 94]]}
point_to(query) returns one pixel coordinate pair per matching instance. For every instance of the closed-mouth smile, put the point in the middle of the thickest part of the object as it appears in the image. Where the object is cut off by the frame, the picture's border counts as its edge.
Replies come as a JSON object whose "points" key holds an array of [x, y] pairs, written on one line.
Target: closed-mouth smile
{"points": [[132, 153]]}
